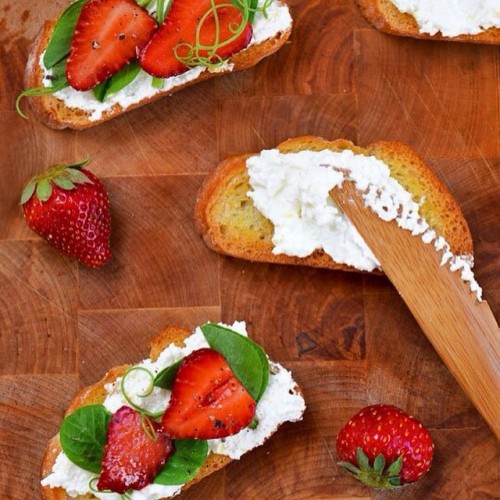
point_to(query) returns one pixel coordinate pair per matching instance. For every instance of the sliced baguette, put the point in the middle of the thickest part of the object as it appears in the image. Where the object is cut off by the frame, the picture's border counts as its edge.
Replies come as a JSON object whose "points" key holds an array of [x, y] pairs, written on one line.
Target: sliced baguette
{"points": [[95, 394], [53, 111], [230, 224], [385, 16]]}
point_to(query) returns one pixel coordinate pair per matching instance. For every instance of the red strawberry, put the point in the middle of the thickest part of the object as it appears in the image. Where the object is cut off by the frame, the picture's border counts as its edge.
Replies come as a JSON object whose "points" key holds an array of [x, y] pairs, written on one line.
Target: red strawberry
{"points": [[136, 450], [107, 36], [398, 447], [207, 400], [178, 31], [68, 207]]}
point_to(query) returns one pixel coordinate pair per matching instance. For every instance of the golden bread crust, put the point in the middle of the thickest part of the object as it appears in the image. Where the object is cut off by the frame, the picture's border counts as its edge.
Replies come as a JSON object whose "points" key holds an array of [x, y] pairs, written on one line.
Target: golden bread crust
{"points": [[230, 224], [54, 113], [384, 15]]}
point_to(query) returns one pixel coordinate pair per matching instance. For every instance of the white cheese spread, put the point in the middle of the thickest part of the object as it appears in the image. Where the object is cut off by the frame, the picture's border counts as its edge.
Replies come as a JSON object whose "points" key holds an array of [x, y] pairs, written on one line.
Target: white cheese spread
{"points": [[280, 403], [292, 191], [277, 20], [452, 17]]}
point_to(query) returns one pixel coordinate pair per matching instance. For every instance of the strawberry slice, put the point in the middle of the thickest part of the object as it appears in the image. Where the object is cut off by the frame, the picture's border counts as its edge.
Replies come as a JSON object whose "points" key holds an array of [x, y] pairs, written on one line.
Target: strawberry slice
{"points": [[207, 400], [107, 36], [132, 458], [179, 29]]}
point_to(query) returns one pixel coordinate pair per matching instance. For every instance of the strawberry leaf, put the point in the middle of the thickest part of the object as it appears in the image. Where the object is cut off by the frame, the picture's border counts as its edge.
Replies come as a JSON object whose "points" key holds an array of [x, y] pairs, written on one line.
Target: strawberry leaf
{"points": [[379, 463], [362, 460], [349, 467], [44, 190], [63, 182], [77, 176], [394, 481], [79, 164], [28, 191], [395, 467]]}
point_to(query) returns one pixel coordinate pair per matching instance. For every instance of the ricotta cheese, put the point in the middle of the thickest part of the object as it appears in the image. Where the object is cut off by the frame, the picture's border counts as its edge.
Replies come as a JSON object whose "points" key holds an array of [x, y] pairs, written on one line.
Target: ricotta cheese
{"points": [[452, 17], [280, 403], [277, 20], [292, 191]]}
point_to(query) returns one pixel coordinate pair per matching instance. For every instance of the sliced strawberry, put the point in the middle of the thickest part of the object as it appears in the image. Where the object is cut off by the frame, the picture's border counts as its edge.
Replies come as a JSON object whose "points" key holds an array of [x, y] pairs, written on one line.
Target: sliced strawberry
{"points": [[207, 400], [132, 458], [179, 28], [107, 37]]}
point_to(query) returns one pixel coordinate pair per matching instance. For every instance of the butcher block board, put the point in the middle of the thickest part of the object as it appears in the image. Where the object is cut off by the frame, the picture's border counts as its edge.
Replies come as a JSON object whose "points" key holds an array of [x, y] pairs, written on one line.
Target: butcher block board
{"points": [[348, 338]]}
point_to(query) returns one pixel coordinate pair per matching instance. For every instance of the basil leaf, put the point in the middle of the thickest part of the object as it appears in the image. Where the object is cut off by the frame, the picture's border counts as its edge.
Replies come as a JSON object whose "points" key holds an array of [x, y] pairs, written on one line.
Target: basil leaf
{"points": [[123, 78], [60, 42], [165, 378], [99, 91], [117, 82], [83, 436], [247, 359], [185, 462]]}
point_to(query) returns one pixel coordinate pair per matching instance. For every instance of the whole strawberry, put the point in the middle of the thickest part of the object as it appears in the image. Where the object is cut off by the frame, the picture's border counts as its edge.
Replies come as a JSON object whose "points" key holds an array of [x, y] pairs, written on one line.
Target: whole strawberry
{"points": [[384, 447], [68, 207]]}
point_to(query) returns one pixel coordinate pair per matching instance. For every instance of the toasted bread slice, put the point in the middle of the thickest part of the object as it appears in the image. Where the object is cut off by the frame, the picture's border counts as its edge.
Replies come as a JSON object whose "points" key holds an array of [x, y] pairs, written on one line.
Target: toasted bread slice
{"points": [[96, 394], [230, 224], [385, 16], [56, 114]]}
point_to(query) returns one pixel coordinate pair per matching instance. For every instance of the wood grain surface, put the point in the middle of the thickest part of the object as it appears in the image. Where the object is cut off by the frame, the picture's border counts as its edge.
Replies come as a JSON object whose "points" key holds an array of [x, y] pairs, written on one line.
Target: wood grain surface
{"points": [[349, 338]]}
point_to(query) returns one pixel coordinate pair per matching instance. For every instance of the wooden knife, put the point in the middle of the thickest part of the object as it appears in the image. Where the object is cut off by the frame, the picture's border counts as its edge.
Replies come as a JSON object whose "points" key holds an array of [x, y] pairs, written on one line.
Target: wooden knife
{"points": [[463, 331]]}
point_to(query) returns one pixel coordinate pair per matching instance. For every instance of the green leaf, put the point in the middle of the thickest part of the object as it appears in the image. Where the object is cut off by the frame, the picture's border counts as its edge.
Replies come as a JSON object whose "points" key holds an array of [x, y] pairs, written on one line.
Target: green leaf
{"points": [[350, 467], [165, 378], [63, 182], [254, 423], [379, 463], [395, 468], [158, 83], [394, 481], [99, 91], [28, 191], [43, 190], [252, 4], [123, 78], [247, 359], [362, 460], [79, 164], [37, 92], [183, 465], [77, 176], [83, 436], [60, 42]]}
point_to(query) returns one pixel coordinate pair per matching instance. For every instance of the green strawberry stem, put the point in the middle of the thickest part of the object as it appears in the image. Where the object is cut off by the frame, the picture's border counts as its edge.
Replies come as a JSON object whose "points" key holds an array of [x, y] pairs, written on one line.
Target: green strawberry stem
{"points": [[64, 176], [376, 476]]}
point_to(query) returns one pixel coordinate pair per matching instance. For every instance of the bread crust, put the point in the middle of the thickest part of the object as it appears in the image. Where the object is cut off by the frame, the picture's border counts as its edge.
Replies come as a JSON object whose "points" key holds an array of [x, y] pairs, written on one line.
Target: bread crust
{"points": [[95, 394], [55, 114], [385, 16], [251, 240]]}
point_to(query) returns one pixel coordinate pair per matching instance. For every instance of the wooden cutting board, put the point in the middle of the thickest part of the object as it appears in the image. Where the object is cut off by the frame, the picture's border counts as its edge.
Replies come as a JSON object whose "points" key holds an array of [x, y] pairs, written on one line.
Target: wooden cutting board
{"points": [[349, 338]]}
